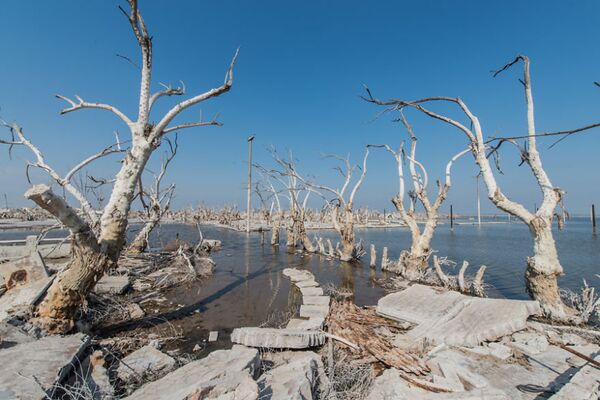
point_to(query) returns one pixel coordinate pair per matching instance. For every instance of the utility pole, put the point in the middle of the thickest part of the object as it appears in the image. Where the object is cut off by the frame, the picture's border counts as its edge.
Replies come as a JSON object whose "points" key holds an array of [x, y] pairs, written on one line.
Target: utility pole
{"points": [[478, 203], [593, 219], [248, 211]]}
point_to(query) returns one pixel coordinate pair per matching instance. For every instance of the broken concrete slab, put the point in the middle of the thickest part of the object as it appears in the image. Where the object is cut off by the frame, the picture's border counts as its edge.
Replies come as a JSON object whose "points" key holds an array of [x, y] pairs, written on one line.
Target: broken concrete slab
{"points": [[277, 338], [307, 283], [316, 300], [296, 379], [146, 360], [297, 275], [584, 385], [310, 324], [453, 318], [189, 380], [389, 385], [547, 371], [530, 343], [23, 296], [112, 284], [418, 304], [46, 361], [23, 270], [213, 336], [311, 291], [494, 349], [11, 335], [312, 311], [54, 251], [239, 386]]}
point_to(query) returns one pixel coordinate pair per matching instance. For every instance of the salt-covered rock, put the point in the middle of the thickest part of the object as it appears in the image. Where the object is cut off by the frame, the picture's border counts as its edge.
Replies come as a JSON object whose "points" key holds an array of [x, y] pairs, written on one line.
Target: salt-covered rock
{"points": [[145, 360], [221, 368], [110, 284], [296, 379], [530, 343], [297, 275], [582, 386], [389, 385], [453, 318], [46, 361], [230, 387]]}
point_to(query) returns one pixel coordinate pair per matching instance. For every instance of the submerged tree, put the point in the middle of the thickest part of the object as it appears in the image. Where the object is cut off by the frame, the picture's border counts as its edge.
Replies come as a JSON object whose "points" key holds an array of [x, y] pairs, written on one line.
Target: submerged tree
{"points": [[342, 210], [297, 194], [543, 268], [98, 242], [413, 263]]}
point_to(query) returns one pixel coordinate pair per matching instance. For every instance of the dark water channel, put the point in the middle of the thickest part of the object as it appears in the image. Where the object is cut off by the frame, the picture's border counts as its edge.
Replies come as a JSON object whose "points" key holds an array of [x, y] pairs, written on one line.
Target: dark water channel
{"points": [[247, 286]]}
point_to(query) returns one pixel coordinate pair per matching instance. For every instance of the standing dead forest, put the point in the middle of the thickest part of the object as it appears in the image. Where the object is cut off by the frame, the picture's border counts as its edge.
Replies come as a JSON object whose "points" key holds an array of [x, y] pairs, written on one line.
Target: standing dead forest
{"points": [[360, 274]]}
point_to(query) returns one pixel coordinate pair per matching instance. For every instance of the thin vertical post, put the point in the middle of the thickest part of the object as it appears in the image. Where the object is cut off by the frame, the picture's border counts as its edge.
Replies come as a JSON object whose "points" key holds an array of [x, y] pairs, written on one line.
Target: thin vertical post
{"points": [[451, 217], [478, 204], [594, 219], [248, 205]]}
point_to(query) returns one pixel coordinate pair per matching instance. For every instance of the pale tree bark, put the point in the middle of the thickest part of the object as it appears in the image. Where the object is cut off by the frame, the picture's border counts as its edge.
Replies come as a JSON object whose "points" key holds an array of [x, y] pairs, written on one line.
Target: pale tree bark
{"points": [[95, 252], [413, 263], [159, 202], [543, 267], [342, 214], [277, 215], [288, 178]]}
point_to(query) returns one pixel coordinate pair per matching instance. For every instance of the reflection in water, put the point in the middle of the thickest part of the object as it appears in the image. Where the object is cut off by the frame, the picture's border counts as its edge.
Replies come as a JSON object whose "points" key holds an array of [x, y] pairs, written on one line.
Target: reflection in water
{"points": [[247, 285]]}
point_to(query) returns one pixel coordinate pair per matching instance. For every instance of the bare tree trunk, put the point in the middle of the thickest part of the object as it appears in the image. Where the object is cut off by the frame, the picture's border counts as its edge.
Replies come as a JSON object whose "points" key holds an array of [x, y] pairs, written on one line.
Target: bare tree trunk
{"points": [[85, 269], [140, 243], [290, 229], [302, 236], [96, 249], [275, 228], [373, 259], [543, 269]]}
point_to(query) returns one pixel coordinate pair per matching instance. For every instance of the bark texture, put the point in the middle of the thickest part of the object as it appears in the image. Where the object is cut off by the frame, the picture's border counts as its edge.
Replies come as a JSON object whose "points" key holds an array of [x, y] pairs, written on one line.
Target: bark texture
{"points": [[96, 247], [543, 268]]}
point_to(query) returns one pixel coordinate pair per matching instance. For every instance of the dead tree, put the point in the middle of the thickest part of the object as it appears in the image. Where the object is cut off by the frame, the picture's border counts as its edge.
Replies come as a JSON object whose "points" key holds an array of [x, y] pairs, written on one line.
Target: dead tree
{"points": [[543, 268], [413, 263], [157, 204], [297, 194], [276, 216], [98, 244], [342, 211]]}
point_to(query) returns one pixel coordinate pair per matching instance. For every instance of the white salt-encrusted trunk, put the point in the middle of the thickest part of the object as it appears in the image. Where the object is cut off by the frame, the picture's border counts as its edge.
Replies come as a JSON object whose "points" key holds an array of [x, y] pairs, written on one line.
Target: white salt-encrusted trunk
{"points": [[275, 228], [413, 263], [342, 215], [97, 249], [543, 268]]}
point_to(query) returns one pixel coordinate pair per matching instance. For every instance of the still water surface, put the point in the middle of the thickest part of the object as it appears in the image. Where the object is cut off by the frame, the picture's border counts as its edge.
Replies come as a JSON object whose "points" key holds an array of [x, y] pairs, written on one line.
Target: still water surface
{"points": [[247, 286]]}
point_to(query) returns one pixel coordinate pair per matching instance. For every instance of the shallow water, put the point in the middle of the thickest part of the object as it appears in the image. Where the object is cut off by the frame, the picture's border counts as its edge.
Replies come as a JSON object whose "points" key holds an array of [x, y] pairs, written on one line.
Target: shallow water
{"points": [[247, 286]]}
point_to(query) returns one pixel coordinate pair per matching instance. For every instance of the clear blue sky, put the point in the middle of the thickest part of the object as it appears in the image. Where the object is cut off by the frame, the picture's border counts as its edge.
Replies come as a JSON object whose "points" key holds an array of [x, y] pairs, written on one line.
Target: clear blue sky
{"points": [[297, 84]]}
